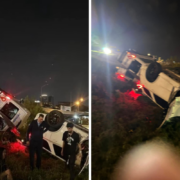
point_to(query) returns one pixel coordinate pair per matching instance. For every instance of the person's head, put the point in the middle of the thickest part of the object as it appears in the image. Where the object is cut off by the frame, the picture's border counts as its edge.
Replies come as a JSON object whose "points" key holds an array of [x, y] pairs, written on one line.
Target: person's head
{"points": [[2, 153], [70, 127], [154, 160], [40, 118]]}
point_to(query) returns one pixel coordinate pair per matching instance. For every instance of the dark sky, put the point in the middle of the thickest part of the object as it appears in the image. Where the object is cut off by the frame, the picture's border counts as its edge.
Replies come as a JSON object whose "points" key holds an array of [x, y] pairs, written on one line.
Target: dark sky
{"points": [[148, 26], [42, 39]]}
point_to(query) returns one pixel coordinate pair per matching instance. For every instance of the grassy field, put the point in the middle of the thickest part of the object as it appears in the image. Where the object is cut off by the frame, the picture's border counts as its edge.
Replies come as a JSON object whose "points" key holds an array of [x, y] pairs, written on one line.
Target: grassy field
{"points": [[52, 169], [18, 162]]}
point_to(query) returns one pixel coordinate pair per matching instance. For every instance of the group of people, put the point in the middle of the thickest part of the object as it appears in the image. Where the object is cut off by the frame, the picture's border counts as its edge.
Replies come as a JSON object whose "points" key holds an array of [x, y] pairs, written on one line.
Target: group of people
{"points": [[69, 150], [71, 147]]}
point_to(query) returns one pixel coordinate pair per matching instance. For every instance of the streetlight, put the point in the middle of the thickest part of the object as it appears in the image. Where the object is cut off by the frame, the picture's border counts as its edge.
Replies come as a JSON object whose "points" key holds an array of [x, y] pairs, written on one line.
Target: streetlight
{"points": [[42, 87], [81, 99], [78, 105], [107, 50]]}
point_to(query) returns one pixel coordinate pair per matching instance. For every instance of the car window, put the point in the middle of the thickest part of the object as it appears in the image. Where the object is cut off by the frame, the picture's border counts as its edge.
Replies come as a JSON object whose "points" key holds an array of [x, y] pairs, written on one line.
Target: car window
{"points": [[135, 66], [9, 110]]}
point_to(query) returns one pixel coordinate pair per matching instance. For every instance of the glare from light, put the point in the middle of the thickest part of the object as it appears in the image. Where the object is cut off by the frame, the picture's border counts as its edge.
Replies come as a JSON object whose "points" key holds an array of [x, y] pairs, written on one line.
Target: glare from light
{"points": [[77, 102], [7, 97], [149, 54], [22, 140], [133, 56], [75, 116], [81, 99], [107, 50]]}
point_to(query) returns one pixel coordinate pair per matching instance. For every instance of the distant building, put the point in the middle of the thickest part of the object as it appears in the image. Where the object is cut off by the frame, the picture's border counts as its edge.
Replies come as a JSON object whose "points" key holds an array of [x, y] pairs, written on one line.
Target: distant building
{"points": [[72, 105], [47, 101]]}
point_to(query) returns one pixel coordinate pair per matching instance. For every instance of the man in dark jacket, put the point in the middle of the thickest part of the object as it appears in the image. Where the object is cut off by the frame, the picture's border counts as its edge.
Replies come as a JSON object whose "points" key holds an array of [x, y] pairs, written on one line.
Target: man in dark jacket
{"points": [[35, 139]]}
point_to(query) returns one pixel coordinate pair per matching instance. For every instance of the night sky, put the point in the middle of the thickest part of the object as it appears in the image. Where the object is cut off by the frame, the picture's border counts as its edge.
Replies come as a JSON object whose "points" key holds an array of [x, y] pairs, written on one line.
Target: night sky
{"points": [[44, 40], [148, 26]]}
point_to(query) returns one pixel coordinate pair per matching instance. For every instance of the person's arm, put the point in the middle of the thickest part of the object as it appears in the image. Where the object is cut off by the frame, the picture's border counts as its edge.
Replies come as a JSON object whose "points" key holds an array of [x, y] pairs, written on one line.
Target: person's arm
{"points": [[79, 145], [28, 132], [46, 127], [62, 150]]}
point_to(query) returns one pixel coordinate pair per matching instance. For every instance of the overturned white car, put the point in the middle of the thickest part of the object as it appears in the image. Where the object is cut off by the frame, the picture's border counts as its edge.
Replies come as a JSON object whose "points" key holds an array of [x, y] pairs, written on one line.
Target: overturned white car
{"points": [[52, 139], [162, 86]]}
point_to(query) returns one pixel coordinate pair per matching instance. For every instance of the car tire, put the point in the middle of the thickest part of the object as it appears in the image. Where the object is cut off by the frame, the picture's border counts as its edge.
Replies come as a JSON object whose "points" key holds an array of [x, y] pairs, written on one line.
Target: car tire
{"points": [[54, 119], [153, 71]]}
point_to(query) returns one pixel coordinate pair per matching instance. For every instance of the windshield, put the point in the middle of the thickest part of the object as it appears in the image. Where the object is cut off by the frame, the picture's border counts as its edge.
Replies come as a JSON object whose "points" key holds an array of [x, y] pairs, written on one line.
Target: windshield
{"points": [[9, 110]]}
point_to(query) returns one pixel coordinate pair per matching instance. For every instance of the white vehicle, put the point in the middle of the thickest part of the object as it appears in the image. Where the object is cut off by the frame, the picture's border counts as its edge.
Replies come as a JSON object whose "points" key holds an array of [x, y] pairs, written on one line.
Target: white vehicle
{"points": [[161, 86], [52, 139], [12, 114], [131, 62]]}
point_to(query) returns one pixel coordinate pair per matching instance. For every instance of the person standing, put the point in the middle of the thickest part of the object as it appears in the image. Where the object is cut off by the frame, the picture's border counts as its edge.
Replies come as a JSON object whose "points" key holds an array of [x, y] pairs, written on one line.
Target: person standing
{"points": [[35, 139], [71, 141]]}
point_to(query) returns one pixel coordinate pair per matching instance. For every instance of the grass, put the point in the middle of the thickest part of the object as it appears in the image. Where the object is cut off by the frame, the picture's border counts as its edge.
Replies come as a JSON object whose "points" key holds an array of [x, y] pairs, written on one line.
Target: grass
{"points": [[52, 168]]}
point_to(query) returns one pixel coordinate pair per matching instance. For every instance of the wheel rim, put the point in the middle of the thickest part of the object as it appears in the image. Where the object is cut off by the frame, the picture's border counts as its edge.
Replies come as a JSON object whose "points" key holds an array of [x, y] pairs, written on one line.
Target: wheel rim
{"points": [[54, 119]]}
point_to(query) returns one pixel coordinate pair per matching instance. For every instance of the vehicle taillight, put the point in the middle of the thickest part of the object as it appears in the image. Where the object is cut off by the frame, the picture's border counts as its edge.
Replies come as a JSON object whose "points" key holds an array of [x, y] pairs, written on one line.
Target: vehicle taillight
{"points": [[139, 86], [15, 131], [120, 76], [131, 56], [7, 97]]}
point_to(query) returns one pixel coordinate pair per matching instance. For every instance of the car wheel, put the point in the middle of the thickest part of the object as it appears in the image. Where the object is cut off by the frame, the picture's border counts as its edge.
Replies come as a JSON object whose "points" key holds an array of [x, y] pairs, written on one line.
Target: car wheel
{"points": [[153, 71], [54, 119]]}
